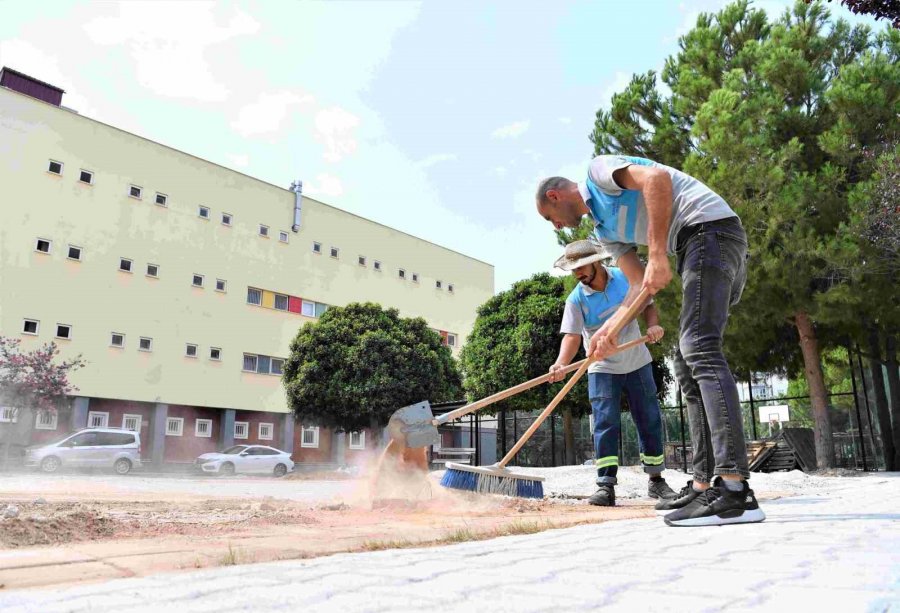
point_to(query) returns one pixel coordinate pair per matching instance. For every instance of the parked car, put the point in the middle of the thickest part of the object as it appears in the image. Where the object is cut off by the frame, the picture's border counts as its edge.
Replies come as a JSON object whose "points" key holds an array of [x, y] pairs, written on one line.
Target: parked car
{"points": [[89, 448], [246, 459]]}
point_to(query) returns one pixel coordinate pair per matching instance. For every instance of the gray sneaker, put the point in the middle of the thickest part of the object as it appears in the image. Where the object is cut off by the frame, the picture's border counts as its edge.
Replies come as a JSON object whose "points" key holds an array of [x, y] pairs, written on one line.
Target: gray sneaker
{"points": [[660, 489], [682, 499], [605, 496]]}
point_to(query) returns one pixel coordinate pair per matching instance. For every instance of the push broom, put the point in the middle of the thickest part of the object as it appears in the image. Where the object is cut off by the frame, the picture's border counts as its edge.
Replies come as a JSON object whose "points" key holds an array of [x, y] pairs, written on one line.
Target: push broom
{"points": [[497, 479]]}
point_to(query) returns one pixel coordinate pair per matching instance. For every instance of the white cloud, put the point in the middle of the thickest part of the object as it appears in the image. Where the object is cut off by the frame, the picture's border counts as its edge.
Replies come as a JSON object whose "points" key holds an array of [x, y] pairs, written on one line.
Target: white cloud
{"points": [[334, 128], [169, 43], [436, 158], [267, 113], [325, 185], [513, 130]]}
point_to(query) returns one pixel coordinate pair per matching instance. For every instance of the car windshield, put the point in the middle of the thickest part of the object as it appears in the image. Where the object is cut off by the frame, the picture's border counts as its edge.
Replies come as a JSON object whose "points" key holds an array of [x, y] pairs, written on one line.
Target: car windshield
{"points": [[235, 450]]}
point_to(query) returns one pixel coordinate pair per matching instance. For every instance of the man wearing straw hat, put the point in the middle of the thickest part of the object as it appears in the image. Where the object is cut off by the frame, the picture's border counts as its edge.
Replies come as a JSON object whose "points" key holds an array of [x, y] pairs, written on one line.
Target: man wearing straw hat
{"points": [[635, 201], [594, 300]]}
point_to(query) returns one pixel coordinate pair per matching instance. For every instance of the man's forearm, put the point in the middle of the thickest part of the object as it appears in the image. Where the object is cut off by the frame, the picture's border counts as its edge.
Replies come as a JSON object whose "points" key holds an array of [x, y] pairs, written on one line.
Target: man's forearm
{"points": [[657, 193], [568, 348], [651, 316]]}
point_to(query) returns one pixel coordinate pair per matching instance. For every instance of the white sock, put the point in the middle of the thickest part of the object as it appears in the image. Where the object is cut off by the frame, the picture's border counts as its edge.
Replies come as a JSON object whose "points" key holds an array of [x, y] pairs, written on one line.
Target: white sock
{"points": [[733, 486]]}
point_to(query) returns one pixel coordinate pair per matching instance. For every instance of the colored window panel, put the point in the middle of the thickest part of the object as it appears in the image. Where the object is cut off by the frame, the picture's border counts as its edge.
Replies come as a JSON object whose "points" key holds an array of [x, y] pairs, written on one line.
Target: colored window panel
{"points": [[268, 299], [294, 304]]}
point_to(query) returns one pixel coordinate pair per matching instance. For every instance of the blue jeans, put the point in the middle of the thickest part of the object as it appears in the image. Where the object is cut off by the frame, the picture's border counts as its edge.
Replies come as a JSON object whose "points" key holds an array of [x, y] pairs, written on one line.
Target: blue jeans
{"points": [[605, 392], [712, 262]]}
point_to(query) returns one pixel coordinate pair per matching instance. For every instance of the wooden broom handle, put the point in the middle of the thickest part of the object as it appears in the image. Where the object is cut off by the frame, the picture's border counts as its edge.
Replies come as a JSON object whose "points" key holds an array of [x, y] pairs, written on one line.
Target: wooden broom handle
{"points": [[558, 398]]}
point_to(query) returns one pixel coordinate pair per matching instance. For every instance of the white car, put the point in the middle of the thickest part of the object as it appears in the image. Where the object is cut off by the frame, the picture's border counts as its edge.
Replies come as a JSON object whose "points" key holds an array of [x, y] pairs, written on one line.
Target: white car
{"points": [[246, 459]]}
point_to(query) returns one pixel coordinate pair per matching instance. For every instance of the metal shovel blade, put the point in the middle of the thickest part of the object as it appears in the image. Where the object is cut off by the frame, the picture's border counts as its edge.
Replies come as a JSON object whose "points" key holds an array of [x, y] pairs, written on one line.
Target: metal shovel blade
{"points": [[412, 426]]}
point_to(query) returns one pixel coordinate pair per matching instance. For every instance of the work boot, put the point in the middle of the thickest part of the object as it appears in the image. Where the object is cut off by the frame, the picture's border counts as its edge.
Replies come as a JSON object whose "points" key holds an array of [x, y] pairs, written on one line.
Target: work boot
{"points": [[605, 496], [658, 488]]}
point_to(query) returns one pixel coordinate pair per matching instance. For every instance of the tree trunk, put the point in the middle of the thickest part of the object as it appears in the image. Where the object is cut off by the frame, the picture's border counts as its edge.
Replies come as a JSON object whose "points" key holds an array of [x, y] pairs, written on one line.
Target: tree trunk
{"points": [[893, 377], [569, 436], [812, 368], [881, 403]]}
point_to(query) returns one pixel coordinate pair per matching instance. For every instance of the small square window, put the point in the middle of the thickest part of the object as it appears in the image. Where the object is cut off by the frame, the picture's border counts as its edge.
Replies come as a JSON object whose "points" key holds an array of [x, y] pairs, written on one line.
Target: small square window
{"points": [[135, 191], [362, 260], [226, 219], [265, 431], [117, 339], [254, 296], [401, 273], [86, 176], [145, 344], [450, 287], [190, 351], [203, 428], [74, 253], [98, 419], [317, 247], [277, 366], [377, 265], [45, 420], [282, 237], [152, 270], [63, 331], [264, 231], [125, 264], [438, 285], [281, 302], [451, 340], [241, 429], [357, 440], [197, 280], [203, 212], [220, 285], [308, 308], [215, 353], [415, 277], [31, 326], [335, 252], [131, 422], [174, 426], [9, 415], [55, 167], [250, 362], [310, 437], [43, 245], [162, 199]]}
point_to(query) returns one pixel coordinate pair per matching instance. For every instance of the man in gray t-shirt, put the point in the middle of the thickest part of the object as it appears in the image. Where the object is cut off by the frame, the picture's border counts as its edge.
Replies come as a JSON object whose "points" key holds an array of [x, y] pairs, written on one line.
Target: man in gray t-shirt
{"points": [[597, 296], [635, 201]]}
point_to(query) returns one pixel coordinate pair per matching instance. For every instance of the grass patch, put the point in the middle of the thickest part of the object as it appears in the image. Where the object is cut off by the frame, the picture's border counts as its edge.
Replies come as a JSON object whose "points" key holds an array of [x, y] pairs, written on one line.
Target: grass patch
{"points": [[232, 558], [382, 545]]}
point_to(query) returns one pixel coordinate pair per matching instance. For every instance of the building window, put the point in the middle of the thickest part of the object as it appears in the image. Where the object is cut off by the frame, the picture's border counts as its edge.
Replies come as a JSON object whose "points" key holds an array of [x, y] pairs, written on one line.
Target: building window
{"points": [[117, 339], [357, 440], [203, 428], [265, 432], [220, 285], [362, 260], [45, 420], [131, 422], [438, 285], [226, 219], [254, 296], [174, 426], [215, 353], [31, 326], [86, 176], [308, 308], [197, 280], [9, 415], [190, 350], [125, 264], [377, 265], [250, 362], [145, 344], [55, 167], [96, 419], [43, 245], [74, 253], [162, 199], [317, 247], [401, 273], [282, 237], [335, 252], [135, 191], [241, 428], [203, 212], [277, 366], [281, 302], [309, 438], [451, 340], [450, 287], [415, 277], [63, 331], [264, 231]]}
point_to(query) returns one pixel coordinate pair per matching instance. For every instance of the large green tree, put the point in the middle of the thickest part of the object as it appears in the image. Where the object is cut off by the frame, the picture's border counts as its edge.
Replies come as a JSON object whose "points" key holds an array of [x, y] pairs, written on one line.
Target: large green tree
{"points": [[358, 364]]}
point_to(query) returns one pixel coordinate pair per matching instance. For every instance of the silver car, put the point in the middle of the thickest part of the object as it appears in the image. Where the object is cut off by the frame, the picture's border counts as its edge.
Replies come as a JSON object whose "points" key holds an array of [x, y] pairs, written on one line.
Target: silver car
{"points": [[259, 459], [89, 448]]}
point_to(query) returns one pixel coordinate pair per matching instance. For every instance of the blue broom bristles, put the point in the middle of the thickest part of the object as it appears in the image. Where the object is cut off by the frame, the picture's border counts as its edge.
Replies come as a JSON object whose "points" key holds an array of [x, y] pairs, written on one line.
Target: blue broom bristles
{"points": [[492, 484]]}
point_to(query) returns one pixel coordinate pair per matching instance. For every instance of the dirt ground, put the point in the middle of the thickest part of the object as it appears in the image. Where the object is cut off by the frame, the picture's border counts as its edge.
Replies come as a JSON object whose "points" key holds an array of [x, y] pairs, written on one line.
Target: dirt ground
{"points": [[79, 528]]}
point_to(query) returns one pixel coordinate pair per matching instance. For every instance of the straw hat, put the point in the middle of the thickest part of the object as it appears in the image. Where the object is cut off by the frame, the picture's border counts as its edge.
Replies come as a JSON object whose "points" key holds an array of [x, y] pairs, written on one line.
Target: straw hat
{"points": [[578, 254]]}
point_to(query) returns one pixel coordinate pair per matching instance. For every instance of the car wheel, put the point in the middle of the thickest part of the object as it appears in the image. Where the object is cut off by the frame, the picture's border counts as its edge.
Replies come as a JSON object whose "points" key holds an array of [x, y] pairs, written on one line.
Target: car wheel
{"points": [[280, 470], [50, 464], [122, 466], [227, 469]]}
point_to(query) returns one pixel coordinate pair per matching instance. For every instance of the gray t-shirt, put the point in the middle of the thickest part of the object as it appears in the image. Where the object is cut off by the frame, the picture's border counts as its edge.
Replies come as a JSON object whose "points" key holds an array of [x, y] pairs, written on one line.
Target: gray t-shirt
{"points": [[586, 306], [620, 215]]}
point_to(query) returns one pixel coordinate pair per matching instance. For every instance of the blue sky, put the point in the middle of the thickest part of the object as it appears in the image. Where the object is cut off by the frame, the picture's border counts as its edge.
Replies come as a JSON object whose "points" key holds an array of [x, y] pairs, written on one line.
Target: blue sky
{"points": [[436, 118]]}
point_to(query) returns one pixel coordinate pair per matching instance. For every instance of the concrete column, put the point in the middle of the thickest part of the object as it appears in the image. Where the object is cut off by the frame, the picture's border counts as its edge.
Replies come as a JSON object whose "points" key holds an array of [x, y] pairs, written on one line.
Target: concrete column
{"points": [[287, 433], [158, 433], [339, 447], [226, 429], [78, 419]]}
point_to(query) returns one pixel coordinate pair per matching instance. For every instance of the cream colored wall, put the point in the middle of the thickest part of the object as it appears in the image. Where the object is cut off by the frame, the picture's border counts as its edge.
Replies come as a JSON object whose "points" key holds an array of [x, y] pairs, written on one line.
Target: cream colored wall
{"points": [[97, 299]]}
